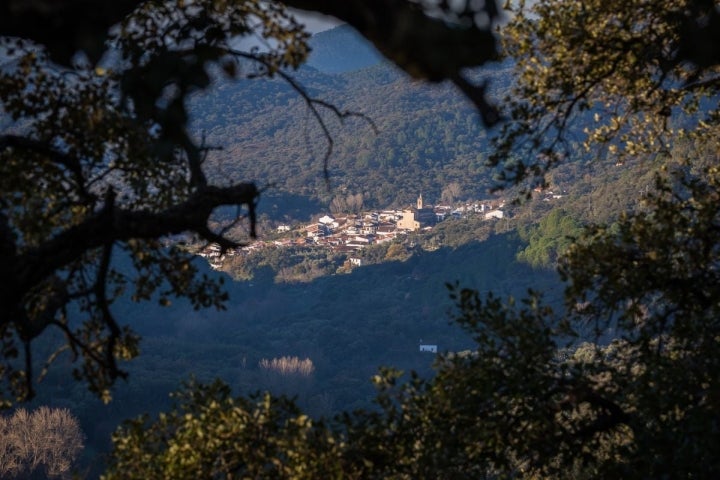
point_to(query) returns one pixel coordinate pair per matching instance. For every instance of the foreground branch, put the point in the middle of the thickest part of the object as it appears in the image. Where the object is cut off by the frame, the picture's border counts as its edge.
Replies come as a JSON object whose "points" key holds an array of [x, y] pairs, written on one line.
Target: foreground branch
{"points": [[112, 224]]}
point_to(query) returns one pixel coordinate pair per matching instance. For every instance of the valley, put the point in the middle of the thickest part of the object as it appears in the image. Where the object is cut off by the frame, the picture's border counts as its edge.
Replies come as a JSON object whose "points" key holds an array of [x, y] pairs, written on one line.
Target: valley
{"points": [[351, 265]]}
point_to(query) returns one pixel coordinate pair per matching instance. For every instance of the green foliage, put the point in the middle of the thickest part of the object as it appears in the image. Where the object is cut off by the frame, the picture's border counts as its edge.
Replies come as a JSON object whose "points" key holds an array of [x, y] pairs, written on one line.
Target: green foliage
{"points": [[288, 264], [530, 401], [396, 251], [639, 407], [457, 232], [549, 239], [416, 146], [213, 435], [97, 164], [628, 77]]}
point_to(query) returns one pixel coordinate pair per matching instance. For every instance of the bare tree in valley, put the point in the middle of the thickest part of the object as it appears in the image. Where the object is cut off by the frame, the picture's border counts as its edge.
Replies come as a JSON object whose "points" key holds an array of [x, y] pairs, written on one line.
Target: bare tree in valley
{"points": [[338, 204], [288, 366], [352, 203], [9, 460], [355, 202], [47, 438], [288, 375], [451, 193]]}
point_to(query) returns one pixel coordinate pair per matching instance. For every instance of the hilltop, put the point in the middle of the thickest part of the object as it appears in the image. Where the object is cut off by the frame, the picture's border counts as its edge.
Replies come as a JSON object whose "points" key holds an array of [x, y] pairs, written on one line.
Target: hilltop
{"points": [[341, 50], [427, 136]]}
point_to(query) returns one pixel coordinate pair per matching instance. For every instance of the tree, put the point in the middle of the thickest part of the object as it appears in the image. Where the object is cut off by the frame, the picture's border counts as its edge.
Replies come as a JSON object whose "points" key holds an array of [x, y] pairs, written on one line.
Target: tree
{"points": [[47, 437], [210, 434], [97, 162], [635, 75], [117, 170], [549, 239], [451, 192]]}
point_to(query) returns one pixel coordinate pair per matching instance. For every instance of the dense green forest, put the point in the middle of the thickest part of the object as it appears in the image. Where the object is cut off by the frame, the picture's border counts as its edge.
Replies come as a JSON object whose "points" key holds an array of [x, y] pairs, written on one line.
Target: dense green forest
{"points": [[424, 137]]}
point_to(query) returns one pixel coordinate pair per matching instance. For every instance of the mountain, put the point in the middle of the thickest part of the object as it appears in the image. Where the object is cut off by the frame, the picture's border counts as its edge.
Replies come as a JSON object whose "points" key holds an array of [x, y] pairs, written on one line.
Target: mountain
{"points": [[340, 50], [405, 138]]}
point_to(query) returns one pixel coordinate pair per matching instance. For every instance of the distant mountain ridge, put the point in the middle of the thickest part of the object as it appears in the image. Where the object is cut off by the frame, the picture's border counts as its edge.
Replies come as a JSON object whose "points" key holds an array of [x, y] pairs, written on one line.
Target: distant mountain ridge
{"points": [[428, 136], [341, 49]]}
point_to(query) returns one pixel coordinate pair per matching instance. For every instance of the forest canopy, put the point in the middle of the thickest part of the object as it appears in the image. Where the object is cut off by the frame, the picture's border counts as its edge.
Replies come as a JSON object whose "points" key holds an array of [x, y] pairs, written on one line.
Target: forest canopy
{"points": [[617, 79]]}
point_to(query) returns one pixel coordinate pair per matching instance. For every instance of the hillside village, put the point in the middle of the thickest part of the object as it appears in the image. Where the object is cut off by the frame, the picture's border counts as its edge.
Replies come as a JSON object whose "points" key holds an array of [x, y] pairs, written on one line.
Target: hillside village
{"points": [[348, 233]]}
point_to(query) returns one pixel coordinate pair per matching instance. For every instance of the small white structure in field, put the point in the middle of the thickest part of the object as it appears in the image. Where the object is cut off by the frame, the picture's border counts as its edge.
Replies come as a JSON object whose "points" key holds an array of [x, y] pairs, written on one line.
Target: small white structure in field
{"points": [[428, 348], [494, 214]]}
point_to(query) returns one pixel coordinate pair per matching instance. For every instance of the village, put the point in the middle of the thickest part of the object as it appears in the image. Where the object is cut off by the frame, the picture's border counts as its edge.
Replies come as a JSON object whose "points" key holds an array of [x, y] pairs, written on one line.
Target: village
{"points": [[348, 233]]}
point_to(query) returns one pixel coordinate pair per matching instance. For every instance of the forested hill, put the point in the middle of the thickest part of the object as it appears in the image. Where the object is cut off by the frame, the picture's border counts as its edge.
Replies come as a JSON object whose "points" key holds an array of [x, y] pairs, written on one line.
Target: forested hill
{"points": [[427, 136]]}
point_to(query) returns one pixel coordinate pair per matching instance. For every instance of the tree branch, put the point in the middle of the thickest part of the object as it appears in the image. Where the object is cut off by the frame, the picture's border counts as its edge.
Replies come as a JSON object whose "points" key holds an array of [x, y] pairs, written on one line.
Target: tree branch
{"points": [[113, 224], [423, 46], [69, 162], [104, 307], [476, 94]]}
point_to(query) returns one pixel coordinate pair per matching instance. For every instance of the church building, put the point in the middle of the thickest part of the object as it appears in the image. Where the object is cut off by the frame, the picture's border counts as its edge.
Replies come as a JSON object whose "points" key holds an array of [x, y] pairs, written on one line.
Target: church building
{"points": [[414, 219]]}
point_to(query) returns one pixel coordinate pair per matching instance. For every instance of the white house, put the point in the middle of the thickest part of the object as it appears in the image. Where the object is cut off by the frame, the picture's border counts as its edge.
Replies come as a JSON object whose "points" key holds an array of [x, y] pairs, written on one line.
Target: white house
{"points": [[494, 214]]}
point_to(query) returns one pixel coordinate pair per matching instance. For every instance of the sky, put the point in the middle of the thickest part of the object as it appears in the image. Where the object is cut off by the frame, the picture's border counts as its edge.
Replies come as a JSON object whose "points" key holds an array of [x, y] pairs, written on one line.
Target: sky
{"points": [[316, 22]]}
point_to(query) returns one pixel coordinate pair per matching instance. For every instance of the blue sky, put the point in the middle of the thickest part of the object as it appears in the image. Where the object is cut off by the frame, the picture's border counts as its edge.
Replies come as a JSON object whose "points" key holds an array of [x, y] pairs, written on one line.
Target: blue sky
{"points": [[316, 22]]}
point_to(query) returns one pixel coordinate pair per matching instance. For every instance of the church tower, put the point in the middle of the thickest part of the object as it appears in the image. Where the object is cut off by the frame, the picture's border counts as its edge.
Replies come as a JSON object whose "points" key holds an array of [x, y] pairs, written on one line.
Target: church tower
{"points": [[420, 202]]}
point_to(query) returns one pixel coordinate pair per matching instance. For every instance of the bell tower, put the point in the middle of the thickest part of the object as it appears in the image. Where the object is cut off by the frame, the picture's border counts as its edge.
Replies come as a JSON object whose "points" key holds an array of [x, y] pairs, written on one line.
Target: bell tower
{"points": [[420, 202]]}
